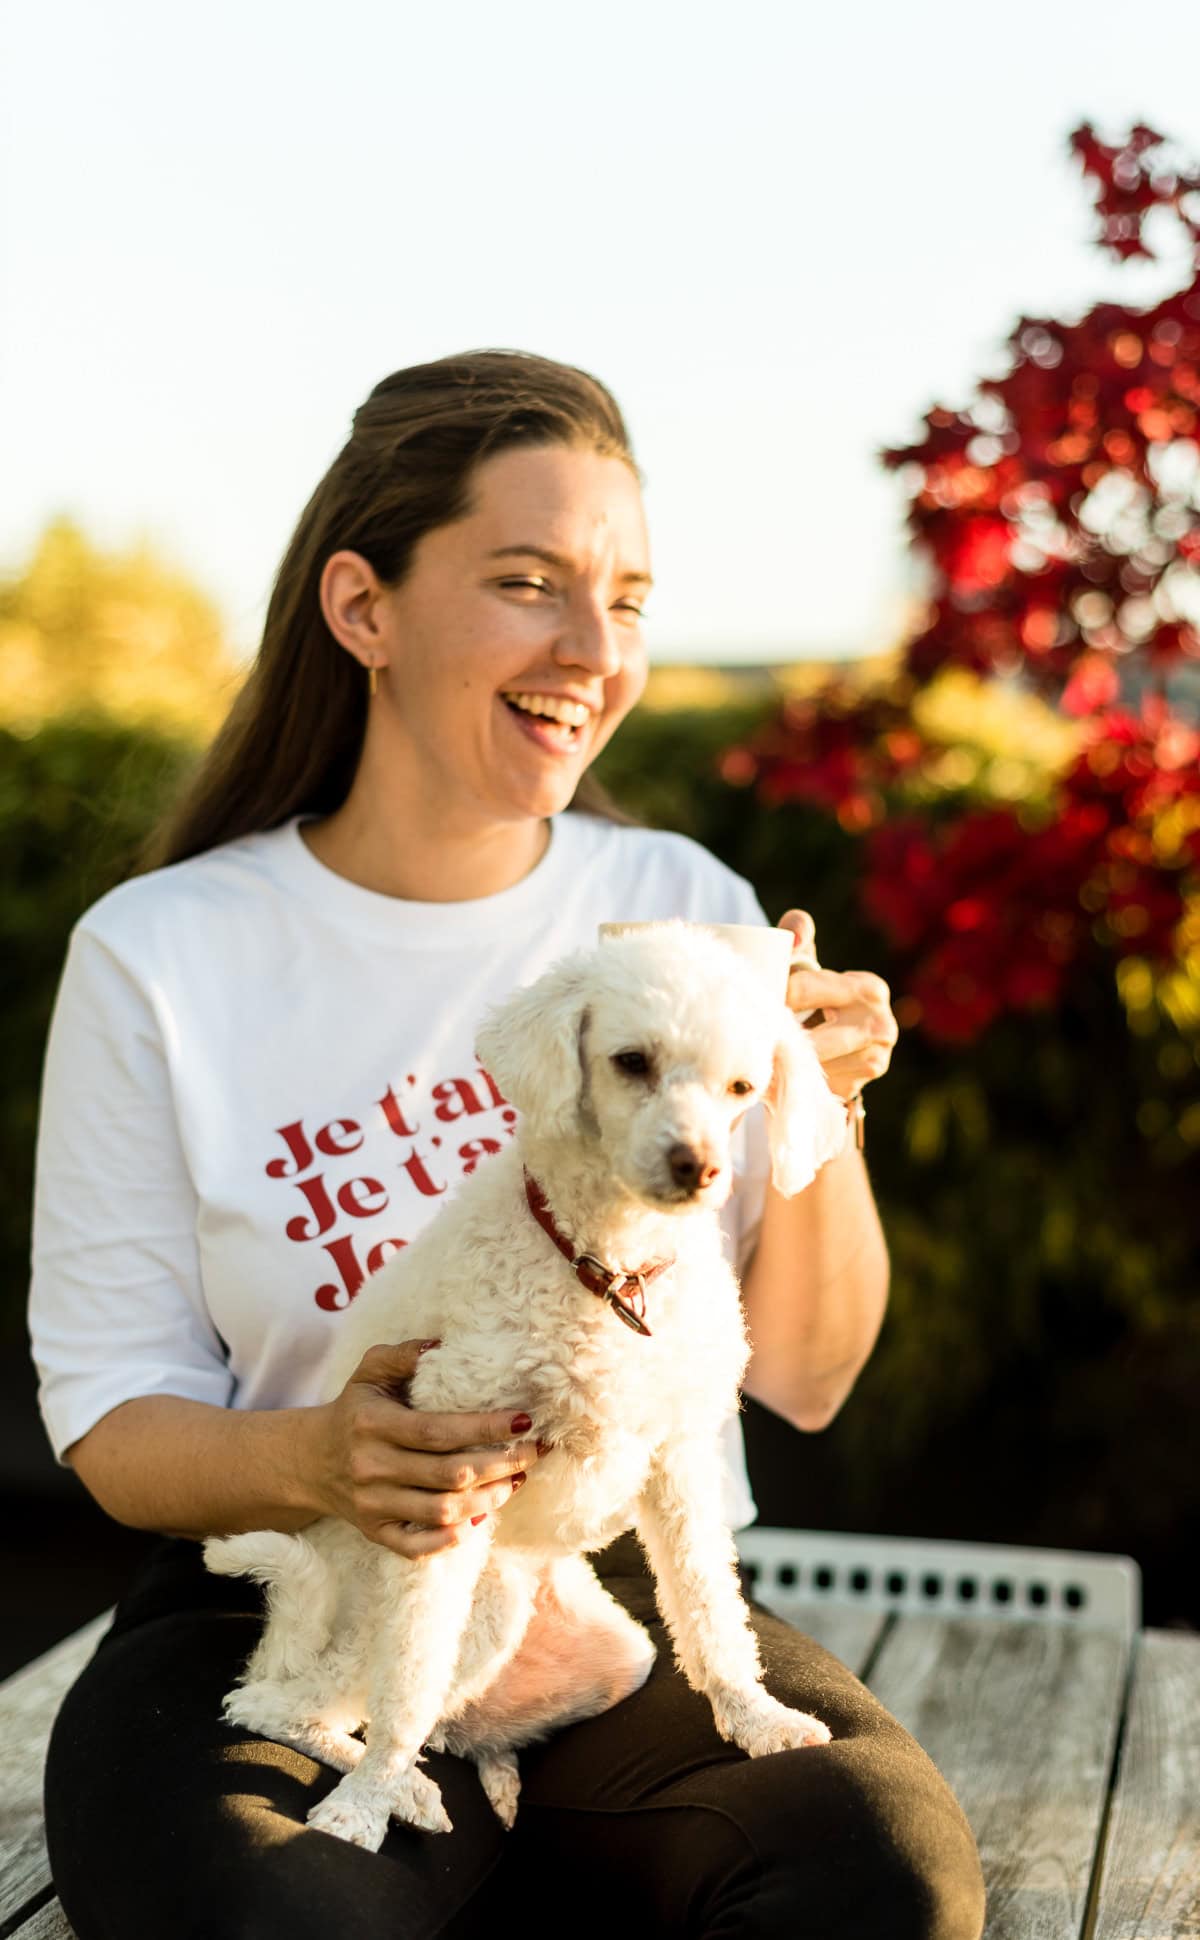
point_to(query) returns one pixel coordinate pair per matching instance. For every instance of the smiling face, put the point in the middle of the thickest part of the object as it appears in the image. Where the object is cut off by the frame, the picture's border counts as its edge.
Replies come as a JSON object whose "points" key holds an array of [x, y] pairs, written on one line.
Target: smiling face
{"points": [[514, 644]]}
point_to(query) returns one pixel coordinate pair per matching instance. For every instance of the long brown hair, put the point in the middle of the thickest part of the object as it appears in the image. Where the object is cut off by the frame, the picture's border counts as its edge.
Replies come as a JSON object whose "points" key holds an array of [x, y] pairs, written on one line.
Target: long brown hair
{"points": [[292, 740]]}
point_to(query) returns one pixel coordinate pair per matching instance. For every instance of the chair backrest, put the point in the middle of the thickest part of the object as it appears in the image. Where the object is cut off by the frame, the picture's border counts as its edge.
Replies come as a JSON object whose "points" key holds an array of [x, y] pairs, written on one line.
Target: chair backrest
{"points": [[976, 1579]]}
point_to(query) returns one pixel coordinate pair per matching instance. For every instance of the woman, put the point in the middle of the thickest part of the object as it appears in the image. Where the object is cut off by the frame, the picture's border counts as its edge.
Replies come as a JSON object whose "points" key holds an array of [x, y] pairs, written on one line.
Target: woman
{"points": [[260, 1081]]}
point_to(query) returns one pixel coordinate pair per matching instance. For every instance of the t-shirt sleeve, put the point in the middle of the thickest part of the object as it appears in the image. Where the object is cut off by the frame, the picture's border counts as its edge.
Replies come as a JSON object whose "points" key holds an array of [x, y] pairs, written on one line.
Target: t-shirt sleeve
{"points": [[116, 1309]]}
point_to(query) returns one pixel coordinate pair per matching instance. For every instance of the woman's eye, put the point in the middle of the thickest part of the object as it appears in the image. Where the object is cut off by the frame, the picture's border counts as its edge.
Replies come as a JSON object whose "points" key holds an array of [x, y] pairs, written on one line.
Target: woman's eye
{"points": [[544, 586], [635, 1062], [740, 1087]]}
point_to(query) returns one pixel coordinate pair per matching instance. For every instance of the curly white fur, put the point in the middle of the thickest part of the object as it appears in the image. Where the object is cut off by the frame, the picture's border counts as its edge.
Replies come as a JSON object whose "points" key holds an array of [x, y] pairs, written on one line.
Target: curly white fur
{"points": [[508, 1635]]}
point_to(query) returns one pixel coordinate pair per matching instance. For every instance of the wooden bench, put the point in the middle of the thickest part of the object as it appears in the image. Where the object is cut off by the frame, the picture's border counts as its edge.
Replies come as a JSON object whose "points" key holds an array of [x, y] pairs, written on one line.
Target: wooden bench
{"points": [[1070, 1735]]}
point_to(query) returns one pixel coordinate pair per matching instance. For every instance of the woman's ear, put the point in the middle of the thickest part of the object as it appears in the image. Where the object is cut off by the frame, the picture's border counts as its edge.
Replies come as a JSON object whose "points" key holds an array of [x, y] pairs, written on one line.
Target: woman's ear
{"points": [[532, 1046], [806, 1124]]}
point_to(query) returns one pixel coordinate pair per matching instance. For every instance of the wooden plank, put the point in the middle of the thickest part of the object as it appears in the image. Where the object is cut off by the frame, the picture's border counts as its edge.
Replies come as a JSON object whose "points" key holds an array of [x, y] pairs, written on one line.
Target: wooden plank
{"points": [[48, 1923], [851, 1634], [28, 1703], [1150, 1879], [1021, 1720]]}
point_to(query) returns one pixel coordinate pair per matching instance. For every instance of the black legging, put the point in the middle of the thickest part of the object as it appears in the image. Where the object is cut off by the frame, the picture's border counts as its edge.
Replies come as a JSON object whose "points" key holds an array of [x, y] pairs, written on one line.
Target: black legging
{"points": [[165, 1823]]}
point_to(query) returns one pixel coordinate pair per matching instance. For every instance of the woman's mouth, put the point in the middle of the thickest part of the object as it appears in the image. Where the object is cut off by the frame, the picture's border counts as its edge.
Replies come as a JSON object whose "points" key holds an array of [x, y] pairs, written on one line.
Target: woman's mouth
{"points": [[555, 724]]}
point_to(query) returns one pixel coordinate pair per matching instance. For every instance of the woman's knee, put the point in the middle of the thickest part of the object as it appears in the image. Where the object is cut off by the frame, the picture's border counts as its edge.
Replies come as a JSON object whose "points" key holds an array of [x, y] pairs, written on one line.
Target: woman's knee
{"points": [[898, 1901], [864, 1849]]}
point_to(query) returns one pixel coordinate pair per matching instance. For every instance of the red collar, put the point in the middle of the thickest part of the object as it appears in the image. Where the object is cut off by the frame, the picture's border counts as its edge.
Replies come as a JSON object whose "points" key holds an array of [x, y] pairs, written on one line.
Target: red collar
{"points": [[596, 1277]]}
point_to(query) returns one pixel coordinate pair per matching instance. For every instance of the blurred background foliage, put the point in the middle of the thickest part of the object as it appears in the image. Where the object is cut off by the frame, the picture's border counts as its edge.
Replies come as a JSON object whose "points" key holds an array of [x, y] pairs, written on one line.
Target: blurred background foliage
{"points": [[120, 635], [1002, 819]]}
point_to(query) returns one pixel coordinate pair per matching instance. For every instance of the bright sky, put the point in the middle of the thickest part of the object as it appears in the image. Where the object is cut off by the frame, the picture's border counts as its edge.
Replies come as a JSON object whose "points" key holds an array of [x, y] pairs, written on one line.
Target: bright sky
{"points": [[777, 231]]}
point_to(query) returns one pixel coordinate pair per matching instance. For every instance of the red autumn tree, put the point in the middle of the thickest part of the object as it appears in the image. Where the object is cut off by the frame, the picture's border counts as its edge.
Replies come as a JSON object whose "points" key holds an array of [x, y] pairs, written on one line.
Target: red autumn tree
{"points": [[1059, 516], [1061, 510]]}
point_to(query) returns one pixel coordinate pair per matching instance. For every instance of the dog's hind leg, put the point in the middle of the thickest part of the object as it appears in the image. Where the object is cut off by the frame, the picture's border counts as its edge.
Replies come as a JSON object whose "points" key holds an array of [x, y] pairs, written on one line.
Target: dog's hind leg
{"points": [[501, 1781], [289, 1714], [295, 1689], [581, 1654], [500, 1614], [301, 1597], [423, 1609], [497, 1770]]}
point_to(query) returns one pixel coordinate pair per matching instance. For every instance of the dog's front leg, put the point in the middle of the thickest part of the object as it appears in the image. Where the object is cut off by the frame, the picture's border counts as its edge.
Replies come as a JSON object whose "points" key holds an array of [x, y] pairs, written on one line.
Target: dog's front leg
{"points": [[423, 1609], [694, 1559]]}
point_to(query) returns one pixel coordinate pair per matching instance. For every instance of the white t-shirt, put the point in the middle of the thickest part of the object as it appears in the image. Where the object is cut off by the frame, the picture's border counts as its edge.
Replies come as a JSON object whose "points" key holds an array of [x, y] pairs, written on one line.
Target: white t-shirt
{"points": [[260, 1081]]}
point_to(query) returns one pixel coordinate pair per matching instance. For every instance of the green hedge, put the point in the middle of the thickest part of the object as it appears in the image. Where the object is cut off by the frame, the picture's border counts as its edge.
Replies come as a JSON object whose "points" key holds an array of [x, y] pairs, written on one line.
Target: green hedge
{"points": [[75, 801]]}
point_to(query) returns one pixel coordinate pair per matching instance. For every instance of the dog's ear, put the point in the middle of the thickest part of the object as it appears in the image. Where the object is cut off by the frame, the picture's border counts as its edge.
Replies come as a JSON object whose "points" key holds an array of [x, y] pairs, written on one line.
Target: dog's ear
{"points": [[532, 1045], [807, 1124]]}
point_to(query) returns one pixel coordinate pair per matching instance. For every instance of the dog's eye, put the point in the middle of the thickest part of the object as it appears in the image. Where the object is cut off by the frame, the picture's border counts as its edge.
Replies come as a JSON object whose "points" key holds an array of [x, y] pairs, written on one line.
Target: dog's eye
{"points": [[740, 1087], [635, 1062]]}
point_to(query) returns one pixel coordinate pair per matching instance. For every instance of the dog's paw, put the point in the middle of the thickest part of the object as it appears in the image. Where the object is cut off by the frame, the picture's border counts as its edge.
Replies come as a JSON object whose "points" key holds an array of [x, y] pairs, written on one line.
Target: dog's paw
{"points": [[759, 1724], [360, 1822], [502, 1782], [416, 1800]]}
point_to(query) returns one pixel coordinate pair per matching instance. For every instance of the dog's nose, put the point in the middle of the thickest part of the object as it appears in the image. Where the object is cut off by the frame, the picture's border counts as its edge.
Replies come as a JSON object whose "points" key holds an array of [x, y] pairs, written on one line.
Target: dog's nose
{"points": [[689, 1169]]}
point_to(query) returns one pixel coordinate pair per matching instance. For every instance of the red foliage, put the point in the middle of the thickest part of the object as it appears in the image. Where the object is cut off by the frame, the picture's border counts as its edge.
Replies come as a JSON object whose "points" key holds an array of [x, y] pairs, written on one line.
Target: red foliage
{"points": [[1061, 516], [993, 915], [837, 750], [987, 931], [1054, 527]]}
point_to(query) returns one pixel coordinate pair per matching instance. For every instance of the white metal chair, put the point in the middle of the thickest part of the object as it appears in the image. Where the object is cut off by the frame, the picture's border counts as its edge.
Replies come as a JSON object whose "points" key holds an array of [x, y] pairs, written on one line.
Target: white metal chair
{"points": [[790, 1566]]}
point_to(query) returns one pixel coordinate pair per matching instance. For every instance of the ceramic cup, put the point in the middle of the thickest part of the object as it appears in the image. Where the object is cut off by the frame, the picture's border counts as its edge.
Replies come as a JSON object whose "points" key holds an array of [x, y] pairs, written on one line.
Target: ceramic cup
{"points": [[770, 951]]}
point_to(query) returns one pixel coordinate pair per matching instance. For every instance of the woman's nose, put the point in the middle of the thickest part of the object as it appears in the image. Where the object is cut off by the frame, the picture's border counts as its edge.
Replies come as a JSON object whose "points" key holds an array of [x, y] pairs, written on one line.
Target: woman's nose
{"points": [[589, 639]]}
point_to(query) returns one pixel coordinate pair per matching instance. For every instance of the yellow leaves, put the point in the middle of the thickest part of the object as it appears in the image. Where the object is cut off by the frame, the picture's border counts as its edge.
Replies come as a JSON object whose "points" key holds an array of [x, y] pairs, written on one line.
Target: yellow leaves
{"points": [[1016, 741], [117, 634], [938, 1111], [1059, 1233], [1172, 824], [1179, 996], [682, 687], [953, 768], [1173, 991]]}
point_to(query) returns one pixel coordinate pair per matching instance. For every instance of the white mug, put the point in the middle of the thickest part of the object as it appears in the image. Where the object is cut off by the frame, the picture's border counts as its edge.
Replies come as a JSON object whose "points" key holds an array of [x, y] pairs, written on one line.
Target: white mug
{"points": [[770, 951]]}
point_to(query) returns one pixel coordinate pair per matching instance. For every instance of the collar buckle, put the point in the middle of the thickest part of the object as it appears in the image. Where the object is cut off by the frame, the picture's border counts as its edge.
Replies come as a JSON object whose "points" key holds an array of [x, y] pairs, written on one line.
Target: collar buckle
{"points": [[604, 1281]]}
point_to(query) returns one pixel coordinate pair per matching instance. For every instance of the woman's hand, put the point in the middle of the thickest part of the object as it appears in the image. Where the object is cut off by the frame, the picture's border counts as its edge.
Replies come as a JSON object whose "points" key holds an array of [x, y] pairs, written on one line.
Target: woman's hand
{"points": [[857, 1029], [411, 1481]]}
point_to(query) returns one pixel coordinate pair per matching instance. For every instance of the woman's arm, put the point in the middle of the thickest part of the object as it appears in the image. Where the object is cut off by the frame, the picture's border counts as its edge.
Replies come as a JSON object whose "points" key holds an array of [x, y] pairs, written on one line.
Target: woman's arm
{"points": [[815, 1293], [187, 1468], [815, 1289]]}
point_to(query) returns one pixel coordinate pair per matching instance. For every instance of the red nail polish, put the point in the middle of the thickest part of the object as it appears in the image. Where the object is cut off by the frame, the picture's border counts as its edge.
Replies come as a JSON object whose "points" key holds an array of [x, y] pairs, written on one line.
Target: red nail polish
{"points": [[543, 1448], [476, 1520], [521, 1424], [518, 1479]]}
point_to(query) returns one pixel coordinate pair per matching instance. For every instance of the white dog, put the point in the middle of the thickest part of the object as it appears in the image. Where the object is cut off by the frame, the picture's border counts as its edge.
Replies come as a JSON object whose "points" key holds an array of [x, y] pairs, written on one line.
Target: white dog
{"points": [[578, 1273]]}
